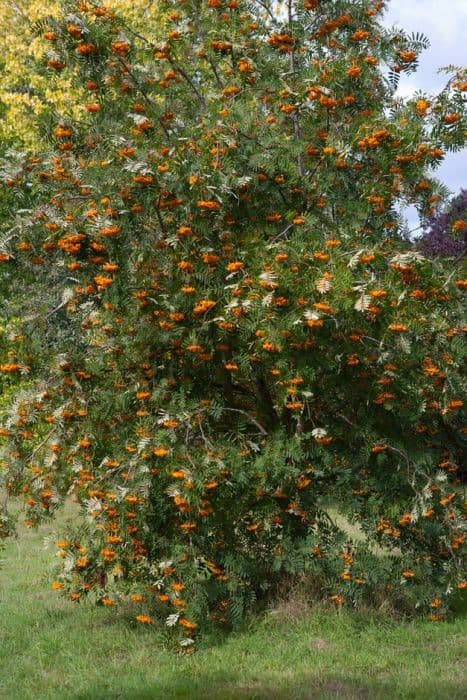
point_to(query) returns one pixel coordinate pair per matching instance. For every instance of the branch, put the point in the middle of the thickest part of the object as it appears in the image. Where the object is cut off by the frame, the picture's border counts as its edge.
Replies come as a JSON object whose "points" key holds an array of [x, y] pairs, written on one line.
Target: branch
{"points": [[127, 26], [267, 8], [295, 116], [282, 233], [21, 13], [160, 219], [188, 80], [135, 80], [57, 308], [214, 69], [247, 136], [27, 460], [460, 257], [253, 420], [347, 420], [244, 413]]}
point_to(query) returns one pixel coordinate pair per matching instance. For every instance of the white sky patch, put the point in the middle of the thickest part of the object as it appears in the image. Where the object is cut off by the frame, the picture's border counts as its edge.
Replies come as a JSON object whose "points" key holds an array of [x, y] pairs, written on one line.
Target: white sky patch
{"points": [[444, 23], [407, 86]]}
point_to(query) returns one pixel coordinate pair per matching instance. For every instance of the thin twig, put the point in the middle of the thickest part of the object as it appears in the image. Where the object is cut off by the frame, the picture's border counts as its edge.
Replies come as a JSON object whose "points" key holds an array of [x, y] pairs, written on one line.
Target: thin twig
{"points": [[267, 8], [27, 460], [282, 233], [21, 12], [347, 420], [262, 430], [187, 79], [295, 116], [135, 80], [214, 70], [253, 420], [247, 136]]}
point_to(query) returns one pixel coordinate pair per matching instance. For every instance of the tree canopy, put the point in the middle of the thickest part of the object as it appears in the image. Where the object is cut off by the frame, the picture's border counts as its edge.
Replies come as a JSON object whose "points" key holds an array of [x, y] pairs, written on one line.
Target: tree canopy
{"points": [[225, 335]]}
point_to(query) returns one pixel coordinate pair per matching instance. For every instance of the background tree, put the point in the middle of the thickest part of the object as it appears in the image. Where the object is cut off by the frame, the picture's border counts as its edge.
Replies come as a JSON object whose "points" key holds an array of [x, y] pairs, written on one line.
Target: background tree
{"points": [[246, 342], [447, 231], [25, 92]]}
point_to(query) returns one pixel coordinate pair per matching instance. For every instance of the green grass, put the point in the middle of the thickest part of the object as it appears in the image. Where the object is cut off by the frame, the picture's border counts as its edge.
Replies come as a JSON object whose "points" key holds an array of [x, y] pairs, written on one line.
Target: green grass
{"points": [[50, 648]]}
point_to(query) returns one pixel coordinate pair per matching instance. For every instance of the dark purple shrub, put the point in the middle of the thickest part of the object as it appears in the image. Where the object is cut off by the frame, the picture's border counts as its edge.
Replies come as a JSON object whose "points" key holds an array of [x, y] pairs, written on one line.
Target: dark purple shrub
{"points": [[447, 232]]}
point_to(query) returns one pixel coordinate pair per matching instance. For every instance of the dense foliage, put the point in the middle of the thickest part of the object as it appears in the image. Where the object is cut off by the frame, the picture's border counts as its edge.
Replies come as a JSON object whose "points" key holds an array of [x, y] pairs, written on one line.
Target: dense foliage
{"points": [[227, 338]]}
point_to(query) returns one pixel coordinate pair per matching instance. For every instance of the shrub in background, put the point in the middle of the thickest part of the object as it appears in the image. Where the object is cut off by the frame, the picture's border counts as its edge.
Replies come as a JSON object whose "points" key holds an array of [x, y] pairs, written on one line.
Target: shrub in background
{"points": [[447, 232]]}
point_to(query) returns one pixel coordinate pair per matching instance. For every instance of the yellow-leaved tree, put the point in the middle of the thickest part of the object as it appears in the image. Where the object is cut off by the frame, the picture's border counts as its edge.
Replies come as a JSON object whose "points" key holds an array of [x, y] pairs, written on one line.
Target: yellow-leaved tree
{"points": [[26, 93]]}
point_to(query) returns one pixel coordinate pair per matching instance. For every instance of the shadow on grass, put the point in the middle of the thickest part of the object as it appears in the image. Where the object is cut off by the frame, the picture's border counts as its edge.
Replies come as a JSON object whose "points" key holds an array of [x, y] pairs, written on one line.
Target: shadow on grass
{"points": [[209, 687]]}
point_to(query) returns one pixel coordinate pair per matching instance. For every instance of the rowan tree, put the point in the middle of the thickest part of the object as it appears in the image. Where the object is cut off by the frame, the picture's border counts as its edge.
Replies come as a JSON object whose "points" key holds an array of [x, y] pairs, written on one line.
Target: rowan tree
{"points": [[231, 340]]}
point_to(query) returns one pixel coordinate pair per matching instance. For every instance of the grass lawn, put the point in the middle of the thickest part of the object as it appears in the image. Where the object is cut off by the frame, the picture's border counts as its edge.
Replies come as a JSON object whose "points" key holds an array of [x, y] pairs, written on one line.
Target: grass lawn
{"points": [[50, 648]]}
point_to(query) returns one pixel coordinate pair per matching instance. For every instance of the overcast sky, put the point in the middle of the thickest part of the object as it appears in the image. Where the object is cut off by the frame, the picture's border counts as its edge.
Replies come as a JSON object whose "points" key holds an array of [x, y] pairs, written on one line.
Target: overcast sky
{"points": [[444, 22]]}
